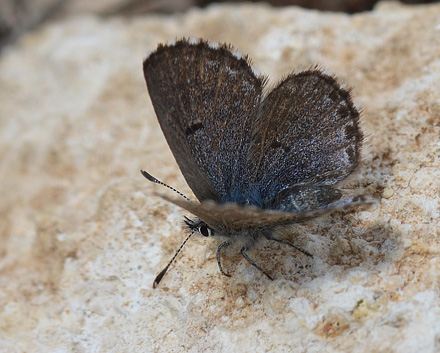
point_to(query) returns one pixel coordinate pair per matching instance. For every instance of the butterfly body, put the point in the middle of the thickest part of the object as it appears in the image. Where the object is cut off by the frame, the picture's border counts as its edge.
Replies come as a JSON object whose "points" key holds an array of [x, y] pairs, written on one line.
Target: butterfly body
{"points": [[255, 159]]}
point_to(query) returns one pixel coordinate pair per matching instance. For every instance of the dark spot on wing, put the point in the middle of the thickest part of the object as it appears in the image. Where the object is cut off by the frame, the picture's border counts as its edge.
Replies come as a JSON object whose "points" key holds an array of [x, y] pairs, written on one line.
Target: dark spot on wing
{"points": [[351, 130], [343, 110], [277, 144], [190, 130]]}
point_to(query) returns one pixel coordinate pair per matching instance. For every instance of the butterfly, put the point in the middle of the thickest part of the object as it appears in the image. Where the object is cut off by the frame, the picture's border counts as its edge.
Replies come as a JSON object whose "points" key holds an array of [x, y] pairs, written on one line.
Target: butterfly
{"points": [[255, 158]]}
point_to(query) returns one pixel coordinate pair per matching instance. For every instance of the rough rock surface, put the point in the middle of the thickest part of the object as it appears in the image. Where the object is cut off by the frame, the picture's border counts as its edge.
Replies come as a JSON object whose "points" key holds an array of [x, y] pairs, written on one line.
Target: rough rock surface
{"points": [[81, 237]]}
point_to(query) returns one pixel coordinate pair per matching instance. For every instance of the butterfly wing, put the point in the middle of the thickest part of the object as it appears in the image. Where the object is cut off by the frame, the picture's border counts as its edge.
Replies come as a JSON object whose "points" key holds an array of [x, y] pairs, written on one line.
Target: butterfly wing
{"points": [[307, 132], [230, 216], [205, 99]]}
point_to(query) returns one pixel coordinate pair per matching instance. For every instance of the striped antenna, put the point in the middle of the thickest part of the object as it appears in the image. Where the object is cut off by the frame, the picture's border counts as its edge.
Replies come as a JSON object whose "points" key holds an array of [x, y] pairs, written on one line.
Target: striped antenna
{"points": [[162, 273], [157, 181]]}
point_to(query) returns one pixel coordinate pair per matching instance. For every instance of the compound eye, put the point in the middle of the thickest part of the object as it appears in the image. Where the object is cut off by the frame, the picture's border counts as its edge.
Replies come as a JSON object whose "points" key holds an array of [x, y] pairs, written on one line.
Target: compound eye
{"points": [[205, 230]]}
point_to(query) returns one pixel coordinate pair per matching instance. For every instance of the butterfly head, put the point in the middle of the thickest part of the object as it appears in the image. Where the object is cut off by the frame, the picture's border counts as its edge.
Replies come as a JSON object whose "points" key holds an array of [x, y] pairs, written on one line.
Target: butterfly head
{"points": [[198, 226]]}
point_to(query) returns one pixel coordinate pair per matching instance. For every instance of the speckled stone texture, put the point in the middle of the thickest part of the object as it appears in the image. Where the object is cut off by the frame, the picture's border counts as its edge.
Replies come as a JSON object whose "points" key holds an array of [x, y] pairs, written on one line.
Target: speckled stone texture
{"points": [[82, 237]]}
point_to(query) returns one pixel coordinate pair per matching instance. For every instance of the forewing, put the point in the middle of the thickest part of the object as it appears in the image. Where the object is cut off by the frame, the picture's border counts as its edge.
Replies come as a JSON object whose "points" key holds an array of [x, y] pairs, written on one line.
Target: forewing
{"points": [[231, 216], [307, 131], [205, 99]]}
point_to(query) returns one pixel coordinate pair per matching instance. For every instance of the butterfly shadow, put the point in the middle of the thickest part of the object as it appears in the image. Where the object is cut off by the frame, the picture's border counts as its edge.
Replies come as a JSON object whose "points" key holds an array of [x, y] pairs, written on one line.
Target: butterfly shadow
{"points": [[336, 241]]}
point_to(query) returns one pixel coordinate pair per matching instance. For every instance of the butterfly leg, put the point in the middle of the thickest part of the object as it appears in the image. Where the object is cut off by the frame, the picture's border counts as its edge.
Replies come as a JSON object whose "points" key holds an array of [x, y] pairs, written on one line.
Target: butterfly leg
{"points": [[286, 242], [252, 262], [219, 250]]}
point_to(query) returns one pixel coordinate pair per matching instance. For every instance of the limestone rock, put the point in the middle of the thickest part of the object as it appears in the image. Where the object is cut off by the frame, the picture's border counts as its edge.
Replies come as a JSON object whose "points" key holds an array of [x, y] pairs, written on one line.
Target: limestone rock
{"points": [[81, 237]]}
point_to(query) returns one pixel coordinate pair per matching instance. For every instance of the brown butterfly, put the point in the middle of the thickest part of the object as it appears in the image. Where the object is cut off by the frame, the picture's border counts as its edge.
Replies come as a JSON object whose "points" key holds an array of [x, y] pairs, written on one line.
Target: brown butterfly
{"points": [[255, 159]]}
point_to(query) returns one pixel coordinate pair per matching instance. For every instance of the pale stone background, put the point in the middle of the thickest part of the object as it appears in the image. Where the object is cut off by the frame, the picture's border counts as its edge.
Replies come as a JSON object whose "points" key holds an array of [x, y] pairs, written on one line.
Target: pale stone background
{"points": [[81, 237]]}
